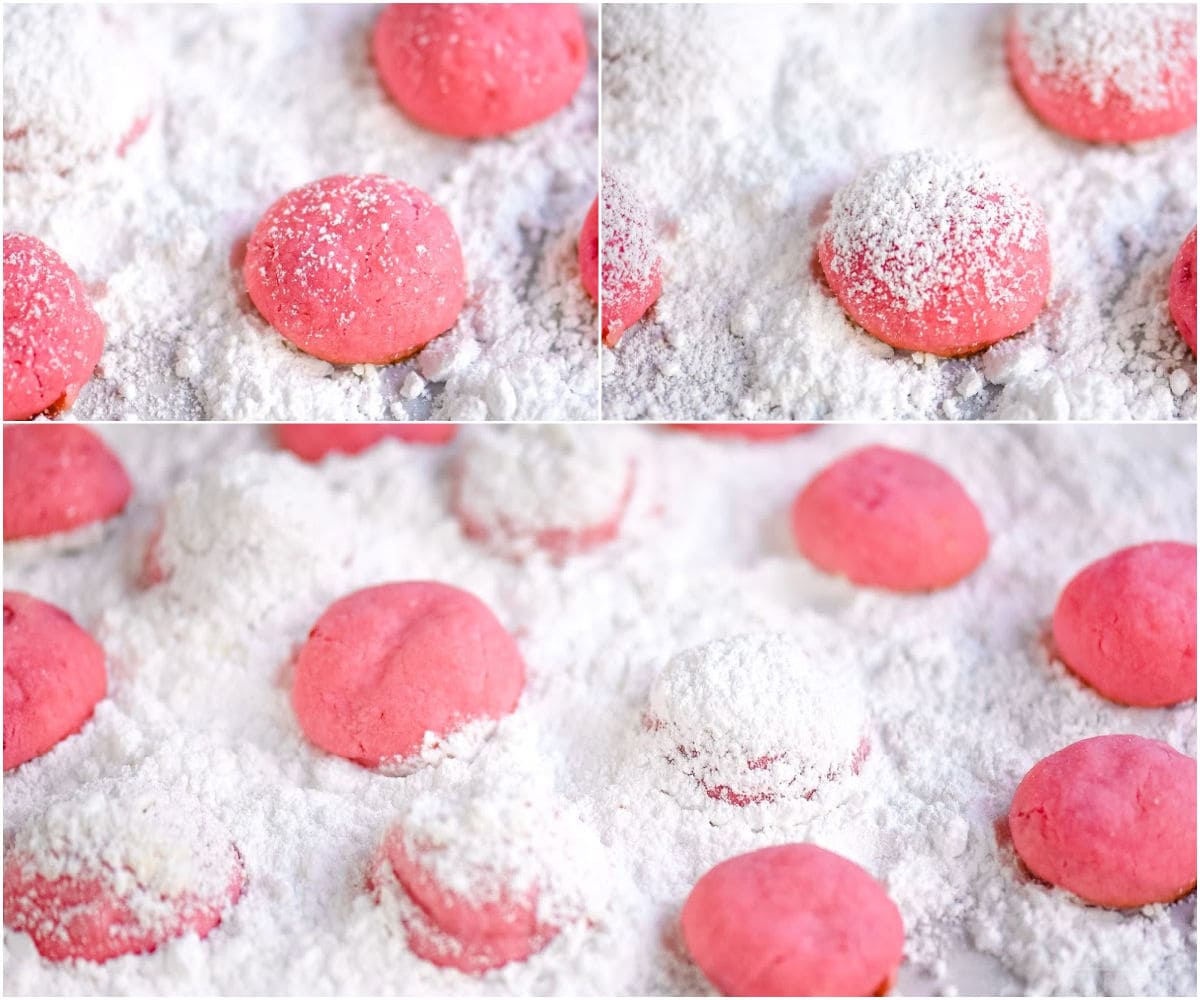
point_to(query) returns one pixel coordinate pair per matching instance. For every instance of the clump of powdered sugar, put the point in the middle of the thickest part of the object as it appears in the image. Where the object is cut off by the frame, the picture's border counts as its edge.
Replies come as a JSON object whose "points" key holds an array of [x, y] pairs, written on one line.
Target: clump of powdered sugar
{"points": [[739, 124], [1128, 48]]}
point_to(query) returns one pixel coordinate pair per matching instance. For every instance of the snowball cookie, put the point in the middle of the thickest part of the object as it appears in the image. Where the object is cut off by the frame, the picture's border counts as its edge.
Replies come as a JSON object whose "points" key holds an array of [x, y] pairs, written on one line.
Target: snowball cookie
{"points": [[887, 518], [1183, 291], [53, 677], [356, 269], [758, 718], [478, 70], [312, 442], [58, 477], [747, 432], [470, 900], [559, 488], [631, 269], [933, 252], [589, 251], [1126, 624], [119, 869], [76, 88], [1106, 72], [1111, 819], [52, 335], [793, 920], [391, 670]]}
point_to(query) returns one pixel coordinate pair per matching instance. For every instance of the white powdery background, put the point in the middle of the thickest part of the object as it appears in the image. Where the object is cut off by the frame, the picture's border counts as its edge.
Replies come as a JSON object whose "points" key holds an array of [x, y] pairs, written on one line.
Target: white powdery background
{"points": [[738, 124], [251, 102], [961, 699]]}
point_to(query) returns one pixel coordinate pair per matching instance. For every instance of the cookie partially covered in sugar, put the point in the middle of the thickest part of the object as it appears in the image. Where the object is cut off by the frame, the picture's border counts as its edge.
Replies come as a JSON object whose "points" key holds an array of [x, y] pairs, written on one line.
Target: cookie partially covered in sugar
{"points": [[934, 252], [1106, 72], [1111, 819], [630, 265], [1182, 295], [762, 718], [561, 489], [312, 442], [119, 869]]}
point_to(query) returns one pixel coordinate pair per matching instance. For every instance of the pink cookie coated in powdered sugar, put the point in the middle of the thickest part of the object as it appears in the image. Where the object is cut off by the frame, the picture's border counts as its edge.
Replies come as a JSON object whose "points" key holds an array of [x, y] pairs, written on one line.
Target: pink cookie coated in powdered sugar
{"points": [[1111, 819], [312, 442], [1107, 72], [888, 518], [631, 269], [480, 70], [356, 269], [1126, 624], [52, 336], [387, 665], [58, 477], [1182, 296], [932, 252], [53, 677]]}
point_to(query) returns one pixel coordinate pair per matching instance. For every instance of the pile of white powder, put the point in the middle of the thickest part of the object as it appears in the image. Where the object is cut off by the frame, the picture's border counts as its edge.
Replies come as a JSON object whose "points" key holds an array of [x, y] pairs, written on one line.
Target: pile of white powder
{"points": [[960, 700], [738, 124], [248, 102]]}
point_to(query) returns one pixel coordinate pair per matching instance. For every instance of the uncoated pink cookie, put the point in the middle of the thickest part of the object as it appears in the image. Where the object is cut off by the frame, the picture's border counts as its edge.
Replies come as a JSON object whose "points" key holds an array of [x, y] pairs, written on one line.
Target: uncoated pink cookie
{"points": [[356, 269], [1182, 295], [312, 442]]}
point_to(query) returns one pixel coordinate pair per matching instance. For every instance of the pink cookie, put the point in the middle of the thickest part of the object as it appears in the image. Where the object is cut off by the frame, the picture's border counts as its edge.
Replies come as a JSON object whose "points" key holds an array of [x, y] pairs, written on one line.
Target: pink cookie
{"points": [[312, 442], [748, 432], [119, 871], [1126, 624], [891, 519], [932, 252], [1106, 72], [479, 70], [387, 665], [631, 269], [589, 251], [58, 477], [1111, 819], [356, 269], [793, 920], [1183, 290], [52, 335], [53, 677]]}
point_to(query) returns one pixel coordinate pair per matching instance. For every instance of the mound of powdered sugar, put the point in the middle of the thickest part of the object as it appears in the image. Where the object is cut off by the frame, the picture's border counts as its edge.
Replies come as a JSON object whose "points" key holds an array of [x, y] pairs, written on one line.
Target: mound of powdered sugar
{"points": [[738, 124], [253, 102], [961, 696]]}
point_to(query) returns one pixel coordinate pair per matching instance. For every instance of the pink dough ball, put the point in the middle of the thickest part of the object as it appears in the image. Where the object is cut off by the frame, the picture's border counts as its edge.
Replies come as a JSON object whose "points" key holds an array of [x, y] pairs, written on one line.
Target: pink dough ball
{"points": [[58, 477], [480, 70], [1126, 624], [933, 252], [1111, 819], [53, 677], [356, 269], [1106, 72], [312, 442], [631, 269], [589, 251], [793, 920], [1182, 296], [387, 665], [888, 518], [747, 432], [52, 336]]}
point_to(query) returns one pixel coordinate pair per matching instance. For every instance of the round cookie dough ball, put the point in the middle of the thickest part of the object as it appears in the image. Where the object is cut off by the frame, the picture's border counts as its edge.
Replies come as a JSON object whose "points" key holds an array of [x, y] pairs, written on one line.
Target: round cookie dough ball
{"points": [[630, 266], [480, 70], [312, 442], [53, 677], [356, 269], [1126, 624], [589, 251], [757, 718], [557, 488], [119, 869], [76, 88], [793, 920], [58, 477], [748, 432], [933, 252], [388, 667], [1182, 295], [52, 336], [1111, 819], [887, 518], [1106, 72]]}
